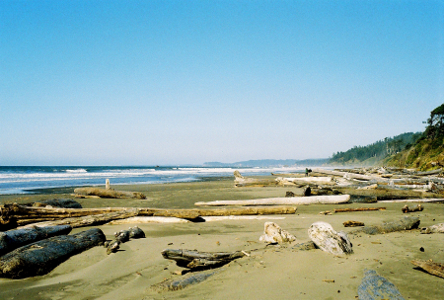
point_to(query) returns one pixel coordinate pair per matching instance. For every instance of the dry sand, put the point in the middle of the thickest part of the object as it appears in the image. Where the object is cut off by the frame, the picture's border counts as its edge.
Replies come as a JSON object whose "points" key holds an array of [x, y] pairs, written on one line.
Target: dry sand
{"points": [[271, 272]]}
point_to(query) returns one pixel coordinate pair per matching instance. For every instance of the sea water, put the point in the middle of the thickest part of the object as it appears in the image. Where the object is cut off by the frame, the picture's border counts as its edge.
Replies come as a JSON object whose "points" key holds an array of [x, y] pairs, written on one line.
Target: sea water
{"points": [[22, 180]]}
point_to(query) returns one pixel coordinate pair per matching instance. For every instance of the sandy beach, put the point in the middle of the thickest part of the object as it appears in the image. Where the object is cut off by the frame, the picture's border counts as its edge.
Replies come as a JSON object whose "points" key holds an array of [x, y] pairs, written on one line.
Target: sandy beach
{"points": [[270, 272]]}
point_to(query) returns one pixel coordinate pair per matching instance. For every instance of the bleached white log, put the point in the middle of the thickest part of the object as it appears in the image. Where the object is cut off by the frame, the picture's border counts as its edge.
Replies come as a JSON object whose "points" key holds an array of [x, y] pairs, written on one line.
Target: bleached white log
{"points": [[327, 239], [438, 228], [308, 179], [273, 233], [348, 175], [336, 199], [144, 220]]}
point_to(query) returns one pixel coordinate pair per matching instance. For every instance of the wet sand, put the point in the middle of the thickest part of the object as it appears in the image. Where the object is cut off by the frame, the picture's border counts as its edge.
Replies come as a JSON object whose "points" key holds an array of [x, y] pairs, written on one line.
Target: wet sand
{"points": [[271, 272]]}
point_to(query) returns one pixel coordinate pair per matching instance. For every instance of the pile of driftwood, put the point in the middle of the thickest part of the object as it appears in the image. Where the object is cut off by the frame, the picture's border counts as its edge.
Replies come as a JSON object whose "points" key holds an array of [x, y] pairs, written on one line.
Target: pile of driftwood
{"points": [[16, 215], [366, 184]]}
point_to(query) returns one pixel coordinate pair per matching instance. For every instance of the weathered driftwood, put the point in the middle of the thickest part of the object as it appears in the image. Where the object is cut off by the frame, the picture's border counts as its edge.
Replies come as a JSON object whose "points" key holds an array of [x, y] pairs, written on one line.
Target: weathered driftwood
{"points": [[280, 201], [407, 209], [327, 239], [112, 246], [13, 239], [305, 191], [41, 257], [374, 286], [62, 203], [305, 246], [104, 193], [406, 223], [182, 282], [301, 181], [385, 194], [429, 200], [430, 267], [337, 210], [438, 228], [145, 220], [241, 181], [273, 233], [348, 175], [352, 224], [223, 218], [193, 259]]}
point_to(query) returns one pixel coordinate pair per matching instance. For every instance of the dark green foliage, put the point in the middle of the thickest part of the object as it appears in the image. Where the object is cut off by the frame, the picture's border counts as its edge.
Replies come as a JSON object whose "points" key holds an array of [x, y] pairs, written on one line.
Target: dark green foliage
{"points": [[435, 124], [377, 150]]}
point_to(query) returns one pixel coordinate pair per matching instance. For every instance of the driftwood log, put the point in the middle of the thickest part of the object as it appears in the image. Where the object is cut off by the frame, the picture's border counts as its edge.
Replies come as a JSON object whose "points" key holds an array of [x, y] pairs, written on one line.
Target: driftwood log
{"points": [[374, 286], [13, 239], [241, 181], [280, 201], [13, 215], [438, 228], [327, 239], [430, 267], [108, 193], [182, 282], [41, 257], [273, 233], [407, 209], [337, 210], [406, 223], [193, 259], [62, 203], [352, 224]]}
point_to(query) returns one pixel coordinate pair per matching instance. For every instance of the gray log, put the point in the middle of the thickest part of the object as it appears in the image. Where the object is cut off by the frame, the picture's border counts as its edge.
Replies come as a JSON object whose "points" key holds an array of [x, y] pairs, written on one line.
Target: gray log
{"points": [[374, 286], [183, 281], [13, 239], [42, 257], [406, 223], [193, 259]]}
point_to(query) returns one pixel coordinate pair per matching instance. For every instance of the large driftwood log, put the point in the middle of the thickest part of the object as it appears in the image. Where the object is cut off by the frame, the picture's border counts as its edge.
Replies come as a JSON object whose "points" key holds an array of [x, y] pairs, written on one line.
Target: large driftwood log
{"points": [[385, 194], [13, 239], [193, 259], [241, 181], [407, 209], [327, 239], [374, 286], [280, 201], [406, 223], [273, 233], [430, 267], [62, 203], [104, 193], [428, 200], [41, 257], [348, 175], [301, 181]]}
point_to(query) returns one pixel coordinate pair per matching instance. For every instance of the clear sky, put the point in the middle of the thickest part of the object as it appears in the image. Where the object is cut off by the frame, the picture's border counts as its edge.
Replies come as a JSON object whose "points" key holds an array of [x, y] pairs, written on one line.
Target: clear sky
{"points": [[88, 82]]}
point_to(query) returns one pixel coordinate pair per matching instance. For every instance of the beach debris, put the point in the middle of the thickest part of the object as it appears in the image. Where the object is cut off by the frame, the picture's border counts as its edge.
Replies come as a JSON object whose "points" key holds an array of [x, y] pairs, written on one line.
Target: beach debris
{"points": [[112, 246], [328, 280], [327, 212], [62, 203], [241, 181], [107, 185], [376, 287], [182, 282], [13, 239], [223, 218], [194, 259], [289, 194], [337, 210], [273, 233], [352, 224], [430, 267], [13, 215], [305, 246], [122, 236], [107, 193], [406, 223], [41, 257], [145, 220], [438, 228], [407, 209], [136, 233], [334, 199], [327, 239], [304, 181]]}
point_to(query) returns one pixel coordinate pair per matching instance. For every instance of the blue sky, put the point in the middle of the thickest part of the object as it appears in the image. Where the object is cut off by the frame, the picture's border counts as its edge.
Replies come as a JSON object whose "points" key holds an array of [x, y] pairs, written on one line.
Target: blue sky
{"points": [[185, 82]]}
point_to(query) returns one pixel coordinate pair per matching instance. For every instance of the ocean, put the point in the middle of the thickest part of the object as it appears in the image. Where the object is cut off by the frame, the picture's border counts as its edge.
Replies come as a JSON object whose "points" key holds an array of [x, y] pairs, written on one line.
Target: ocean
{"points": [[28, 180]]}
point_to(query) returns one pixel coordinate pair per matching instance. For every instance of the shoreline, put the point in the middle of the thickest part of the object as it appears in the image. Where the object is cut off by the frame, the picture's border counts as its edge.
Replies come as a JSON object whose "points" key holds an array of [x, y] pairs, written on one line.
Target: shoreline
{"points": [[270, 272]]}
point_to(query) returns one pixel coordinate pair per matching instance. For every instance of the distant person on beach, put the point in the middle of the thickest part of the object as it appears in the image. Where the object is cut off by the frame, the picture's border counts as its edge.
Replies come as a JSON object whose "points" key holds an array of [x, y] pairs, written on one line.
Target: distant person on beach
{"points": [[306, 172]]}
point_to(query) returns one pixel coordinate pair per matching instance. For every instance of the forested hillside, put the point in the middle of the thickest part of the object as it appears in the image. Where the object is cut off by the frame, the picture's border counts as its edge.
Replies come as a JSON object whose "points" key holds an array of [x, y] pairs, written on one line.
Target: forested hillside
{"points": [[373, 153]]}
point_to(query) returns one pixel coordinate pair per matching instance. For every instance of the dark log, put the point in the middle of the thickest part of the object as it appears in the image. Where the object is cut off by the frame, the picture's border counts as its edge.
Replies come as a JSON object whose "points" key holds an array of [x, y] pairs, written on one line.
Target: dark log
{"points": [[407, 209], [352, 224], [13, 239], [374, 286], [182, 282], [386, 194], [42, 257], [193, 259], [337, 210], [406, 223], [104, 193]]}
